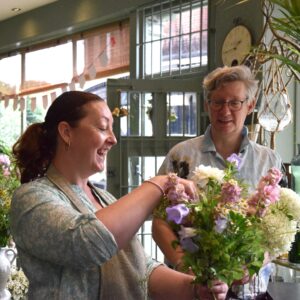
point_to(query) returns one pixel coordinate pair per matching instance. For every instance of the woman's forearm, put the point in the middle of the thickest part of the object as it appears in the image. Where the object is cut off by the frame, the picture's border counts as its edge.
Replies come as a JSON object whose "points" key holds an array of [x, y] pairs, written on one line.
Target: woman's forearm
{"points": [[163, 235], [124, 217], [165, 283]]}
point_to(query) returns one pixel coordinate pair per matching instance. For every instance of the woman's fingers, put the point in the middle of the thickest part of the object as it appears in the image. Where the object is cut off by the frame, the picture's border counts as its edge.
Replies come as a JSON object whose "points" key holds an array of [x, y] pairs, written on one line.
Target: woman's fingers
{"points": [[190, 188], [217, 291]]}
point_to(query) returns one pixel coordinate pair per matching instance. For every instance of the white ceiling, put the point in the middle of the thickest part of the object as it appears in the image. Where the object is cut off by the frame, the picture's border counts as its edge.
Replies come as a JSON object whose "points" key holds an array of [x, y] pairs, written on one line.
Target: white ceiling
{"points": [[6, 7]]}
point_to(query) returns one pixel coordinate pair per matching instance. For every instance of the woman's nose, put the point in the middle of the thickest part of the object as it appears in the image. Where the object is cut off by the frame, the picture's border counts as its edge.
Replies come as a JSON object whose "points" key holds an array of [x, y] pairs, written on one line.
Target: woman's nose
{"points": [[112, 138], [225, 108]]}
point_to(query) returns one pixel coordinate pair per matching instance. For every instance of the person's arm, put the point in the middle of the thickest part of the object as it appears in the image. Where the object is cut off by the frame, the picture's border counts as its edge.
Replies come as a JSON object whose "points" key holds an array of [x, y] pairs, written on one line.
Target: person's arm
{"points": [[165, 283], [163, 236], [124, 217]]}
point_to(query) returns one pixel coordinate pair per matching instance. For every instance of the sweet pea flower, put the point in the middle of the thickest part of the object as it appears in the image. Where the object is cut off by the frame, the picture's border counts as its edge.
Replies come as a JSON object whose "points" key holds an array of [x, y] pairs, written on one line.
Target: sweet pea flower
{"points": [[235, 159], [177, 213]]}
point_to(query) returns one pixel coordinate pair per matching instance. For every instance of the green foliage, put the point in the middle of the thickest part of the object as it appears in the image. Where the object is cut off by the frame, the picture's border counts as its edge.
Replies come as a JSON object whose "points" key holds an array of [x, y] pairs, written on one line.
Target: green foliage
{"points": [[224, 255]]}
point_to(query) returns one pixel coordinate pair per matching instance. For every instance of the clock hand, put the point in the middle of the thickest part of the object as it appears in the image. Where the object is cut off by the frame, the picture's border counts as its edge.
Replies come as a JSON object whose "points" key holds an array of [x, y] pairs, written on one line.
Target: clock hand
{"points": [[233, 48]]}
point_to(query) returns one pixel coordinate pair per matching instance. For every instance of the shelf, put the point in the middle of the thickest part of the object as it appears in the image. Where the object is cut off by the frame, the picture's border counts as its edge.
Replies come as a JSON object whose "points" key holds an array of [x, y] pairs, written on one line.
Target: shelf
{"points": [[287, 264]]}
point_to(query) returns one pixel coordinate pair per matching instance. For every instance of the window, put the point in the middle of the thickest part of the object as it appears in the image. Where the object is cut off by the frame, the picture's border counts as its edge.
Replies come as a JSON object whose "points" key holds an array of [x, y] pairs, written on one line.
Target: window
{"points": [[31, 80], [173, 39]]}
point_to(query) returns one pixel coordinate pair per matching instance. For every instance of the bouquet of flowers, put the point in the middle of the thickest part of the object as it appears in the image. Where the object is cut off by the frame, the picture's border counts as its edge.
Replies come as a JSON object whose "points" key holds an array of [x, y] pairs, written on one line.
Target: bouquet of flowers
{"points": [[226, 231]]}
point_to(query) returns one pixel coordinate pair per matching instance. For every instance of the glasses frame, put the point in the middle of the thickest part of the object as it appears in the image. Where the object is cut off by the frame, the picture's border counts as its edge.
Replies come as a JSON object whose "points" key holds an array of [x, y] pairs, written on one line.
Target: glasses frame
{"points": [[221, 103]]}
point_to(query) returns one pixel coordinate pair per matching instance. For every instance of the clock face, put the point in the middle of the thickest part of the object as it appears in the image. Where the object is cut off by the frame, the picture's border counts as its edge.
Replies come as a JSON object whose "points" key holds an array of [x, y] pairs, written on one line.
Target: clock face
{"points": [[236, 45]]}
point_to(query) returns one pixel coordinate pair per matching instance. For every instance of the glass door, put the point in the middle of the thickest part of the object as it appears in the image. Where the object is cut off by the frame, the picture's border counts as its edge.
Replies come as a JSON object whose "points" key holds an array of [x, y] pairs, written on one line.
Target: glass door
{"points": [[151, 117]]}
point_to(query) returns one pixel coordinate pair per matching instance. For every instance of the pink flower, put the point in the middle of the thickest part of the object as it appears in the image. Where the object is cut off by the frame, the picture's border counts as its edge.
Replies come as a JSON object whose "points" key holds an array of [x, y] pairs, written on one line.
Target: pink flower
{"points": [[231, 191], [5, 163], [177, 194], [272, 178], [271, 193], [4, 160]]}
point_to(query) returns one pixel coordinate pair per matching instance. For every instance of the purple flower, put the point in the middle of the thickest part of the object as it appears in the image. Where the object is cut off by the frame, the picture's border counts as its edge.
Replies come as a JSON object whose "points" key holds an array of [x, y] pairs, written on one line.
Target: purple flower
{"points": [[221, 224], [177, 213], [5, 163], [188, 245], [231, 192], [234, 159]]}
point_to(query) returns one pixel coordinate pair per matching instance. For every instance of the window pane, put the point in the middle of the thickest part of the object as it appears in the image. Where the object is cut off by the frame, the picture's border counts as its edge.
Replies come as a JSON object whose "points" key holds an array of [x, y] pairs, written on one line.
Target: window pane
{"points": [[182, 114], [48, 66], [169, 32], [139, 120], [10, 75]]}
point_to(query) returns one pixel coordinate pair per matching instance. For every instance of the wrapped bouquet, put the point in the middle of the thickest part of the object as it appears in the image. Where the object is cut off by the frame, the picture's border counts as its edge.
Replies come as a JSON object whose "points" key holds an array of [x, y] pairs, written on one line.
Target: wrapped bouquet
{"points": [[226, 230]]}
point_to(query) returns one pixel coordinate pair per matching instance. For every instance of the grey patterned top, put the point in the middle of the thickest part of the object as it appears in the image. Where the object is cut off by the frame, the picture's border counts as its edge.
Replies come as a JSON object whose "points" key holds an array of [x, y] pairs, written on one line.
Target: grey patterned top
{"points": [[256, 161], [70, 255]]}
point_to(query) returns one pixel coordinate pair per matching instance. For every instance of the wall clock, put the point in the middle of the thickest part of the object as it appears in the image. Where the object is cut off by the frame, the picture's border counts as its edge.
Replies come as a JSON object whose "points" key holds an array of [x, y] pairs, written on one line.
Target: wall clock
{"points": [[236, 45]]}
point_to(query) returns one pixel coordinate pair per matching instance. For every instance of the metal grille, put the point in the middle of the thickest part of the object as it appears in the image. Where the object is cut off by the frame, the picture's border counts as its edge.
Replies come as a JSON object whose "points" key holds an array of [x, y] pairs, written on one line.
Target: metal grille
{"points": [[173, 38]]}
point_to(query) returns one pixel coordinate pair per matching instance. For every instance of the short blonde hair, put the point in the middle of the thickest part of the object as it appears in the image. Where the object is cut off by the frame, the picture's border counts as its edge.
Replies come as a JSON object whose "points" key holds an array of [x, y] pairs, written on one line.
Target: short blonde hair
{"points": [[219, 76]]}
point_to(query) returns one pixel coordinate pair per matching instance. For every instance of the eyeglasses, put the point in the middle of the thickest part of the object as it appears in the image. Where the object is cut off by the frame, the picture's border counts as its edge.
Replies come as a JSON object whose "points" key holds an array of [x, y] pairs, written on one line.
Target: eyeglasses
{"points": [[233, 105]]}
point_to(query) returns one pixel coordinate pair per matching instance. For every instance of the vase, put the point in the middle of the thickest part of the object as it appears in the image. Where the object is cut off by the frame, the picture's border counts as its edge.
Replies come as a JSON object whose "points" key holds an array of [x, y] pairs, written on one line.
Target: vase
{"points": [[295, 171], [7, 256]]}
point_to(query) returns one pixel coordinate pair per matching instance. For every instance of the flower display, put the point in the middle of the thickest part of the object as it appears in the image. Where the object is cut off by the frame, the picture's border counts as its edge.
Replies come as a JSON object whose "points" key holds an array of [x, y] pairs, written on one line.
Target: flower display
{"points": [[8, 182], [226, 230], [18, 284]]}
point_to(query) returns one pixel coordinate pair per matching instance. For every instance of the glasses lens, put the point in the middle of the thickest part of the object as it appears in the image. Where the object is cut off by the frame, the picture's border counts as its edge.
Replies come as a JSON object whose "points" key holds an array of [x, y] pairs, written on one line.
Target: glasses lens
{"points": [[233, 105]]}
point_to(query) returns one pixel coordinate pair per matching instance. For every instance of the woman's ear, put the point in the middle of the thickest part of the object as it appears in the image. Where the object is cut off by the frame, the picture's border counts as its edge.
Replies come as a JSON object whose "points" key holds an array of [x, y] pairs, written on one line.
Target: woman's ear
{"points": [[64, 131], [251, 106]]}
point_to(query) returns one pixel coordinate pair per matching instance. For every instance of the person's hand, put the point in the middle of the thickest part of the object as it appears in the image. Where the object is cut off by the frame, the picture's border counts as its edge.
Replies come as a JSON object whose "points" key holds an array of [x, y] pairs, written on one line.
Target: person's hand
{"points": [[218, 291], [246, 278], [178, 188]]}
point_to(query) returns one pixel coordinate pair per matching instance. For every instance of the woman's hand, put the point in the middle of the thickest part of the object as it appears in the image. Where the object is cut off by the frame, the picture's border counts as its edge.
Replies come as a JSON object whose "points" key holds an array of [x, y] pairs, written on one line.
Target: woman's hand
{"points": [[246, 278], [218, 291]]}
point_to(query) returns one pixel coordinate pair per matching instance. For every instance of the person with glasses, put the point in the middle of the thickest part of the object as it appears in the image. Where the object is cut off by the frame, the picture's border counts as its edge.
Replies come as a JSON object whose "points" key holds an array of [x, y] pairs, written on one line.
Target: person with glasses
{"points": [[230, 96]]}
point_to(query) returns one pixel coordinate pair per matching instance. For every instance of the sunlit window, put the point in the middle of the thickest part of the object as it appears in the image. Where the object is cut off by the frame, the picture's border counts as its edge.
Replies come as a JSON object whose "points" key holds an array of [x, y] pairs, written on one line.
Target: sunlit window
{"points": [[49, 66], [174, 39], [10, 75]]}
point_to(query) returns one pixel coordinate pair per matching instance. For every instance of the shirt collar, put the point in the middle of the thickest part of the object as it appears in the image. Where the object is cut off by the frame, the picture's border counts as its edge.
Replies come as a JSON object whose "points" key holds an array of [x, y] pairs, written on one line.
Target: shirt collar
{"points": [[209, 146]]}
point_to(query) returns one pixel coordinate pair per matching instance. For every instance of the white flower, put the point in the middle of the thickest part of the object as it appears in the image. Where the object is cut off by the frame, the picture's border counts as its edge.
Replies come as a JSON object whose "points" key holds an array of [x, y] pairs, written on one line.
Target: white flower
{"points": [[203, 174], [290, 203], [17, 284], [187, 232], [279, 231]]}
